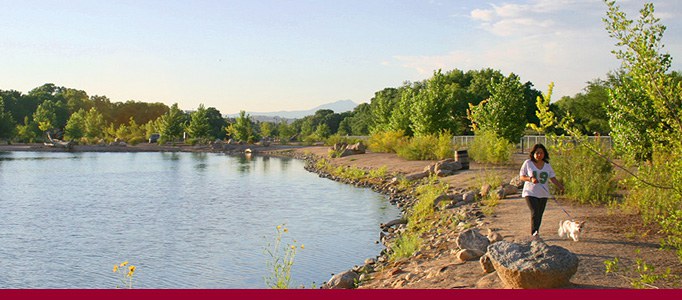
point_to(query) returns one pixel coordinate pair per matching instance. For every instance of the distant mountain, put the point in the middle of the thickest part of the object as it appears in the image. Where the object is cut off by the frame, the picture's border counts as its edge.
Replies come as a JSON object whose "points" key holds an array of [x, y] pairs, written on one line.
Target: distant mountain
{"points": [[338, 107]]}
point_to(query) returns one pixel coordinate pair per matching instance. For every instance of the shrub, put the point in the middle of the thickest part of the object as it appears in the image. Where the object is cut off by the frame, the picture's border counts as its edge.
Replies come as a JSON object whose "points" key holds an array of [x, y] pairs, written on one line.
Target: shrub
{"points": [[337, 139], [419, 148], [488, 147], [404, 246], [386, 141], [587, 178], [136, 140]]}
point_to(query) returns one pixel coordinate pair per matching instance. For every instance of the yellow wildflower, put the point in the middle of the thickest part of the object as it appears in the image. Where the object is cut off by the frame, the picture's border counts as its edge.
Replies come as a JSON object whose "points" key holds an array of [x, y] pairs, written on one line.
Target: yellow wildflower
{"points": [[279, 227], [293, 247], [131, 270], [302, 246], [286, 230], [115, 268], [123, 264]]}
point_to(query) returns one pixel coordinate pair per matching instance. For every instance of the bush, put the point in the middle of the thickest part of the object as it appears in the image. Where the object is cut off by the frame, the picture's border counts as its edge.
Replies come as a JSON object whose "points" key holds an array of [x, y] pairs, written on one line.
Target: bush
{"points": [[427, 147], [337, 139], [386, 141], [587, 178], [136, 140], [661, 201], [487, 147], [419, 148]]}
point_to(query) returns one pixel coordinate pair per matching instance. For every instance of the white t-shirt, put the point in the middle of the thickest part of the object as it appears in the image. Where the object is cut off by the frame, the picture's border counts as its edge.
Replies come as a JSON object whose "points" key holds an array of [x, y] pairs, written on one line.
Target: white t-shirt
{"points": [[540, 189]]}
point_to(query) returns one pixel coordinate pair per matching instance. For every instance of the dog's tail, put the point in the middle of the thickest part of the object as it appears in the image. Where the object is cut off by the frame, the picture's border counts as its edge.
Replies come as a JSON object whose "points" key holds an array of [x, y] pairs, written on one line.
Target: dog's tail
{"points": [[561, 229]]}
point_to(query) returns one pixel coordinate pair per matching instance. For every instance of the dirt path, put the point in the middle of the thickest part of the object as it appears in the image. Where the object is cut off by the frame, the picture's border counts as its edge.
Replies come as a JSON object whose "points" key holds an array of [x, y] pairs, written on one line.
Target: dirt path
{"points": [[606, 237], [608, 234]]}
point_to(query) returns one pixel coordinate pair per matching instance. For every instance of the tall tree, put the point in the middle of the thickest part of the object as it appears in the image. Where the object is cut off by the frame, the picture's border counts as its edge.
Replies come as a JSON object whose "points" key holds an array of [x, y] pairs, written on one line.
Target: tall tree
{"points": [[382, 106], [242, 129], [216, 123], [95, 124], [7, 123], [198, 127], [75, 126], [504, 112], [172, 124], [646, 92], [433, 107], [46, 115]]}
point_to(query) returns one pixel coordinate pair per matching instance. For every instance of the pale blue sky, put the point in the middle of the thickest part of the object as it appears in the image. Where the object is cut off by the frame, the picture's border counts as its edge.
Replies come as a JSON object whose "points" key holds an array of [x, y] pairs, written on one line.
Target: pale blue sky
{"points": [[295, 55]]}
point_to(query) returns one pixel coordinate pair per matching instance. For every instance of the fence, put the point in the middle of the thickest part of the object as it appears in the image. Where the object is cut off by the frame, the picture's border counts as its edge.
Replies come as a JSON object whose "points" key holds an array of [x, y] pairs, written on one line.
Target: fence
{"points": [[526, 142]]}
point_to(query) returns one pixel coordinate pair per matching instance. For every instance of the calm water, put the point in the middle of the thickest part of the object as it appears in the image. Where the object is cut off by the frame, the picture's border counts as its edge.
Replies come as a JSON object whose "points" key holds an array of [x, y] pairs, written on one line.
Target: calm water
{"points": [[186, 220]]}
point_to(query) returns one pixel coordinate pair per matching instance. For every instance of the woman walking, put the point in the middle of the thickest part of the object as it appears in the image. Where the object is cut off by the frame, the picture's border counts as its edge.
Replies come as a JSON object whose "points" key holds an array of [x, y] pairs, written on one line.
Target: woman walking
{"points": [[536, 172]]}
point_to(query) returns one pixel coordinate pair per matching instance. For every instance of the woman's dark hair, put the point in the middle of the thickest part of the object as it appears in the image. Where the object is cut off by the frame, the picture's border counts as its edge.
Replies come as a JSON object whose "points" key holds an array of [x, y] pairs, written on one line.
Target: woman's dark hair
{"points": [[535, 148]]}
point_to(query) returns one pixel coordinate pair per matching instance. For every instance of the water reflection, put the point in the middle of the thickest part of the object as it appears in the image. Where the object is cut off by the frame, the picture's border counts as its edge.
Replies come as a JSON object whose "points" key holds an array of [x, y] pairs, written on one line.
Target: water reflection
{"points": [[201, 158], [244, 163]]}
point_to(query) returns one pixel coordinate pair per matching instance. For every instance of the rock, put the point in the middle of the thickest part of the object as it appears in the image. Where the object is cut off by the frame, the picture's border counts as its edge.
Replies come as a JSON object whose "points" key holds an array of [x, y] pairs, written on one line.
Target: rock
{"points": [[500, 193], [486, 264], [446, 198], [357, 148], [416, 176], [485, 189], [472, 239], [469, 197], [533, 265], [393, 223], [370, 261], [494, 236], [468, 254], [344, 280], [510, 189], [490, 281], [516, 181]]}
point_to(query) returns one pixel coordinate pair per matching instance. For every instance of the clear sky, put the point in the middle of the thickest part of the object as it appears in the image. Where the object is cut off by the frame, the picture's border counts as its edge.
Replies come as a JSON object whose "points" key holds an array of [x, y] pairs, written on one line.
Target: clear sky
{"points": [[294, 55]]}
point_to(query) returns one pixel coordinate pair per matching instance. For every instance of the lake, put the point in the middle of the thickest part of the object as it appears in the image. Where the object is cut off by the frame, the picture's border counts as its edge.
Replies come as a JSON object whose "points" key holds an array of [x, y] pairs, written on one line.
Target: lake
{"points": [[185, 220]]}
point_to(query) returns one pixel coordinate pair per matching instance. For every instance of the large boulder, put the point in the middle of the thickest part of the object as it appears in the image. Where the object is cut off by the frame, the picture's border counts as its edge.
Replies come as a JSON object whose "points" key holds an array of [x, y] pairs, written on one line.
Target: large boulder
{"points": [[344, 280], [532, 265], [472, 239]]}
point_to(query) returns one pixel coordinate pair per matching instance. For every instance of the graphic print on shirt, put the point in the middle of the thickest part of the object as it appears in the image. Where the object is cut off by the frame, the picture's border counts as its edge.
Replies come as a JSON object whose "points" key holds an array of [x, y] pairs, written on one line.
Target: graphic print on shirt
{"points": [[543, 176]]}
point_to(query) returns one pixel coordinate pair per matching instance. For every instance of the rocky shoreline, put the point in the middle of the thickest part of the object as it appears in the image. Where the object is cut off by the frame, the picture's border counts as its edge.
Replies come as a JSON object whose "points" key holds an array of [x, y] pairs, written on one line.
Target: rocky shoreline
{"points": [[461, 206]]}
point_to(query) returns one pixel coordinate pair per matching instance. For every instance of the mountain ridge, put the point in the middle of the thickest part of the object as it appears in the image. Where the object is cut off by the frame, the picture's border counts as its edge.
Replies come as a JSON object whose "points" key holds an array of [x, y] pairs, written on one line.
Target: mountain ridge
{"points": [[336, 106]]}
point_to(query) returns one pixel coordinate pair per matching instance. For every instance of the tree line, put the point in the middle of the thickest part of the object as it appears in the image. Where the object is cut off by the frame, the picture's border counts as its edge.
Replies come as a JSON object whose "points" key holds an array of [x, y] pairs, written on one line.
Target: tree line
{"points": [[426, 107]]}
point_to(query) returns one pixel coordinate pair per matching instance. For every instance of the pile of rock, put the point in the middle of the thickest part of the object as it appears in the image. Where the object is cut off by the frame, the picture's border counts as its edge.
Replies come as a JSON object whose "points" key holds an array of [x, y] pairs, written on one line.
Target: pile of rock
{"points": [[441, 168], [343, 149]]}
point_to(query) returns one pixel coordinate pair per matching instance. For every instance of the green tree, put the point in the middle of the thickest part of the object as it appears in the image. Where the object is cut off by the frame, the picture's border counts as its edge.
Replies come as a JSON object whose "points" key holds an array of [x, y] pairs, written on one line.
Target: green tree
{"points": [[548, 120], [7, 123], [46, 115], [76, 100], [400, 118], [216, 123], [644, 107], [95, 125], [433, 107], [504, 112], [242, 129], [588, 108], [75, 126], [198, 127], [266, 129], [656, 190], [28, 132], [172, 124], [382, 106]]}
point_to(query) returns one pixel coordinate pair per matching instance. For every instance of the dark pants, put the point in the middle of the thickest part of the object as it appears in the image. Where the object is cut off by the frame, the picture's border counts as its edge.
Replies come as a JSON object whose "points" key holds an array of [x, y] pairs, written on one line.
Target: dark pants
{"points": [[537, 208]]}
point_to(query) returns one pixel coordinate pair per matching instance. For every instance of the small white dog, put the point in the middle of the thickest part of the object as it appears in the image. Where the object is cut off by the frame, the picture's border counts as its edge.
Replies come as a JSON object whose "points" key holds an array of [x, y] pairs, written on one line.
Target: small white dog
{"points": [[571, 229]]}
